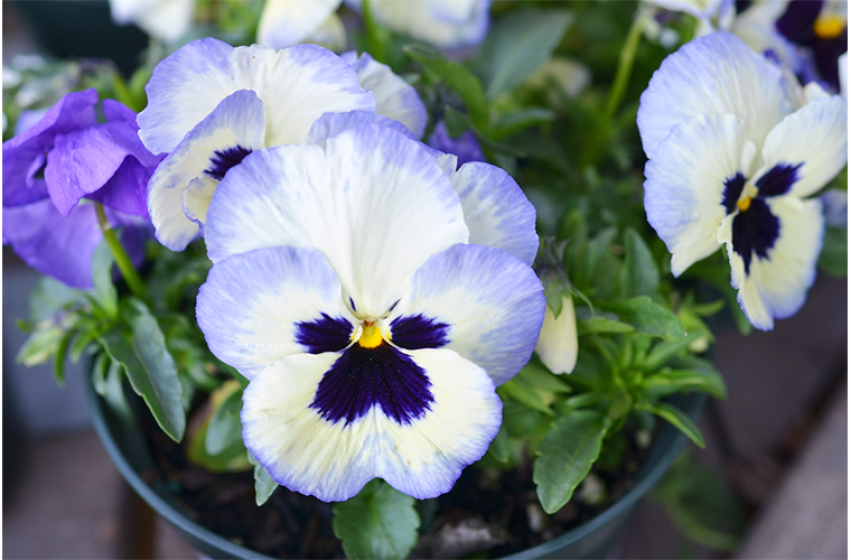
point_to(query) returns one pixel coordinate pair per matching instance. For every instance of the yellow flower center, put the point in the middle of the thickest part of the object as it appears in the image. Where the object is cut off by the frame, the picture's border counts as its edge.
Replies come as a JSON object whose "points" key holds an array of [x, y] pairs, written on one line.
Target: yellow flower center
{"points": [[744, 204], [371, 336], [829, 26]]}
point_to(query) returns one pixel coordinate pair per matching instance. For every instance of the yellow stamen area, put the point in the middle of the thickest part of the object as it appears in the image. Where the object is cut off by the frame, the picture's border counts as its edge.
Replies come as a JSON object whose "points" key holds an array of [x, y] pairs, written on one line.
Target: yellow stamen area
{"points": [[371, 337], [829, 27], [744, 204]]}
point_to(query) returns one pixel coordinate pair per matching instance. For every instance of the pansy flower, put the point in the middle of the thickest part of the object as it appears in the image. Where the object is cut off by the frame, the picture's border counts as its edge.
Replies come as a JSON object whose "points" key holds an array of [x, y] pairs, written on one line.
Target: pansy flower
{"points": [[284, 23], [755, 25], [394, 97], [732, 160], [210, 104], [374, 296], [446, 24], [56, 167], [165, 20], [820, 29]]}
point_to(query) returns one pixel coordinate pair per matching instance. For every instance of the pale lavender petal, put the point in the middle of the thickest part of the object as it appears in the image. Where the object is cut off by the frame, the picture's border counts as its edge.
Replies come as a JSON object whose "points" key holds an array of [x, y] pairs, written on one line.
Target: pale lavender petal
{"points": [[394, 97]]}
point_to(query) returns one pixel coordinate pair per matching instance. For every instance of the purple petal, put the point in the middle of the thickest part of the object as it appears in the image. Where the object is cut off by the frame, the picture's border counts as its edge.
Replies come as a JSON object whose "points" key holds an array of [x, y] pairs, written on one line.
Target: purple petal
{"points": [[83, 161], [21, 154], [62, 247], [466, 147]]}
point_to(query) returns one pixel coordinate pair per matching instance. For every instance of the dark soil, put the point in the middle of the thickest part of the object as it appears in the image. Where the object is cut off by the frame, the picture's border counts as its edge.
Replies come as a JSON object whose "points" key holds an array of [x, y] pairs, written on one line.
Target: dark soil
{"points": [[485, 511]]}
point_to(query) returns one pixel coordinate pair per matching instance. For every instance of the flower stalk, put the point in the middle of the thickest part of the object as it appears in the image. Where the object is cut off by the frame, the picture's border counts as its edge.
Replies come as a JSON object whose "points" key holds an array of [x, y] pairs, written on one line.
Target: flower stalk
{"points": [[128, 271], [625, 63]]}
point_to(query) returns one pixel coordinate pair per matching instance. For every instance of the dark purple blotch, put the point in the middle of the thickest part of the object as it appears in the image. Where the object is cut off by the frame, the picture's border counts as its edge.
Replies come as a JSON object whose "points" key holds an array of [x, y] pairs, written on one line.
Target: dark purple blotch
{"points": [[417, 331], [778, 180], [733, 190], [326, 334], [365, 377], [755, 231], [223, 160]]}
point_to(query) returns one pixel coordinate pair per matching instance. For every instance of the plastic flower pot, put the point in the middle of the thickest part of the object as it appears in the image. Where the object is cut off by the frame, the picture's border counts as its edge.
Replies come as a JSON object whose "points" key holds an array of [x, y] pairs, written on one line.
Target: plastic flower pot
{"points": [[129, 451]]}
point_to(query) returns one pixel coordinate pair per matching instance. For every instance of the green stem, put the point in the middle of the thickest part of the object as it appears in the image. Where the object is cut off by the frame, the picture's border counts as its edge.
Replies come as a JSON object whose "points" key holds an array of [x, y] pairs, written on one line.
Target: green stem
{"points": [[134, 281], [625, 62]]}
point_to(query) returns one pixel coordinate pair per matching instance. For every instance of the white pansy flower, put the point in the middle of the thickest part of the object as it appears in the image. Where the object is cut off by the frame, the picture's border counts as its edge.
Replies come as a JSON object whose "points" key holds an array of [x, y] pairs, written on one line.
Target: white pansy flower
{"points": [[732, 160], [166, 20]]}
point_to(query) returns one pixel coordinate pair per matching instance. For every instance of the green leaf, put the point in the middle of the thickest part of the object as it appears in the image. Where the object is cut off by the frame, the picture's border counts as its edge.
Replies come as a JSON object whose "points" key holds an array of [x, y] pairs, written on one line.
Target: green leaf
{"points": [[716, 271], [149, 367], [540, 378], [566, 455], [104, 291], [499, 446], [225, 426], [380, 522], [264, 484], [517, 45], [677, 418], [99, 374], [456, 77], [84, 340], [670, 381], [647, 317], [59, 358], [608, 323], [512, 123], [640, 275], [523, 393], [41, 345], [664, 351], [834, 253], [114, 394], [51, 296], [519, 420]]}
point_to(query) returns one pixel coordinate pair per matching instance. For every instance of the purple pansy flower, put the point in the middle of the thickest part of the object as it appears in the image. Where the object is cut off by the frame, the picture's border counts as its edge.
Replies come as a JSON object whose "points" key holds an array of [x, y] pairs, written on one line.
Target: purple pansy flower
{"points": [[53, 168]]}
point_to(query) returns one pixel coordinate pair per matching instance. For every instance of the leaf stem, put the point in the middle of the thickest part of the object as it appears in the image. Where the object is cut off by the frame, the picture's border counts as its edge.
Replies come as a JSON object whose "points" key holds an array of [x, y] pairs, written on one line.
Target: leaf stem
{"points": [[625, 62], [128, 271]]}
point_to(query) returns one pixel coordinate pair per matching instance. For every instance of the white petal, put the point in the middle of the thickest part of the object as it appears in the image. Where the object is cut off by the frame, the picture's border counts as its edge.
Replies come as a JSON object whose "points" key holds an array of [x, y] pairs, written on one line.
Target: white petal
{"points": [[333, 460], [377, 206], [715, 74], [166, 20], [776, 287], [558, 345], [331, 124], [297, 85], [394, 97], [843, 75], [251, 305], [236, 122], [197, 197], [492, 304], [496, 210], [434, 21], [815, 135], [331, 34], [284, 23], [684, 190], [764, 38]]}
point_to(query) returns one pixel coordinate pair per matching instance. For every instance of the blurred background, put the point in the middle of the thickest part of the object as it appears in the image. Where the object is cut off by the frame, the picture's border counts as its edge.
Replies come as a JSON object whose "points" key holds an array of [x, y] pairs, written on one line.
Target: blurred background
{"points": [[772, 482]]}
